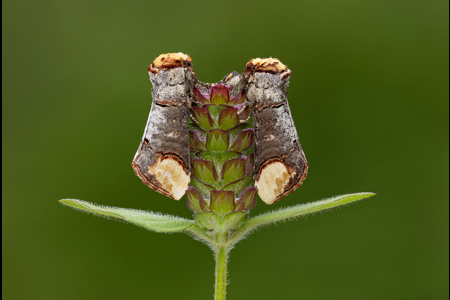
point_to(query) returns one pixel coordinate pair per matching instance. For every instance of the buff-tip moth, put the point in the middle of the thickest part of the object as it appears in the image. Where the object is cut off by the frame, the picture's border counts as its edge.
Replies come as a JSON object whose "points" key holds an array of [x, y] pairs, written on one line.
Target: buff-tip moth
{"points": [[162, 159]]}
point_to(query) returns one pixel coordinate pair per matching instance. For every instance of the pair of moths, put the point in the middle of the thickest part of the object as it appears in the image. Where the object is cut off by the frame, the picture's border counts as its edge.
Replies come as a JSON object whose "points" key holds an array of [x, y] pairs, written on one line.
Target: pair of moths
{"points": [[162, 159]]}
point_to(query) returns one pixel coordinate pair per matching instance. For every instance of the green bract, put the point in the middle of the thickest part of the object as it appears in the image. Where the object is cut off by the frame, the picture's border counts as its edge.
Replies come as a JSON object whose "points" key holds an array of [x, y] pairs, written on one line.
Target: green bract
{"points": [[221, 193]]}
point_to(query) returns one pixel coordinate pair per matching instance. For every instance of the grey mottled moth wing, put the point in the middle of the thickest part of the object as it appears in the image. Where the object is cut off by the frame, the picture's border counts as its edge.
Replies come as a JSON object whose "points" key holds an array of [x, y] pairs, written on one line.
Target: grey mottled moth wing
{"points": [[280, 165], [162, 159]]}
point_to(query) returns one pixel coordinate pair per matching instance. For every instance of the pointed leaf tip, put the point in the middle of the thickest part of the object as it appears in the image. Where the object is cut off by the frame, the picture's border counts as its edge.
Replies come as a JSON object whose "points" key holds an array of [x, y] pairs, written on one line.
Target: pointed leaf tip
{"points": [[238, 99], [204, 171], [222, 202], [244, 141], [87, 207], [247, 200], [228, 118], [195, 200], [219, 94], [217, 140], [203, 118], [303, 209], [233, 170], [200, 96], [148, 220], [195, 142]]}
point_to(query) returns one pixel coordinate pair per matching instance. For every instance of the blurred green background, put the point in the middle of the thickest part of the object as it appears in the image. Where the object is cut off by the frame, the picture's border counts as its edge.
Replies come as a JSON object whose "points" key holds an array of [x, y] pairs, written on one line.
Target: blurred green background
{"points": [[369, 96]]}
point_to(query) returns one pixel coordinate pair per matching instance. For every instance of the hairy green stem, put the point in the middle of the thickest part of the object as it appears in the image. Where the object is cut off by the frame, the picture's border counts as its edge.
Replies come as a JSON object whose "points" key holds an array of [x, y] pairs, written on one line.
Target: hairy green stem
{"points": [[220, 287]]}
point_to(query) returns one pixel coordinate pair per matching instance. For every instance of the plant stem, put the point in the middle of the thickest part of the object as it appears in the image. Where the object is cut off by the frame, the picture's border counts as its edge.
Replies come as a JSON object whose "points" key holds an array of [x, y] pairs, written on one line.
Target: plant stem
{"points": [[220, 287]]}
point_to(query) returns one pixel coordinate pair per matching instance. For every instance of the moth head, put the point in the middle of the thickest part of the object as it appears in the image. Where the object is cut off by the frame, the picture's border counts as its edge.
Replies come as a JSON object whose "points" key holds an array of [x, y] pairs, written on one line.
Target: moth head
{"points": [[267, 65], [169, 61]]}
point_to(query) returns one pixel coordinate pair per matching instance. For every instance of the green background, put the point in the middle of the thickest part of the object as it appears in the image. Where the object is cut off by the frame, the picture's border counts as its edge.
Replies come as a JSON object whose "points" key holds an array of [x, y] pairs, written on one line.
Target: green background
{"points": [[368, 94]]}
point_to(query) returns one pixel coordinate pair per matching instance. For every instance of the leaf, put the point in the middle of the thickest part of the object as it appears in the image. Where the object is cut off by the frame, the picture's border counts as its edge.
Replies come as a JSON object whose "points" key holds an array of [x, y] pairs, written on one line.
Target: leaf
{"points": [[219, 94], [201, 97], [203, 118], [239, 185], [148, 220], [244, 141], [234, 220], [204, 171], [303, 209], [208, 220], [195, 142], [222, 202], [293, 212], [204, 188], [217, 140], [228, 118], [247, 200], [218, 158], [233, 170], [195, 201], [214, 111]]}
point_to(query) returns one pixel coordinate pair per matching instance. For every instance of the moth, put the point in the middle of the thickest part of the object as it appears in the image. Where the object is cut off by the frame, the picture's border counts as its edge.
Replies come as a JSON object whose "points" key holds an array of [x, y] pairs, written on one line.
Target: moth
{"points": [[162, 159], [280, 165]]}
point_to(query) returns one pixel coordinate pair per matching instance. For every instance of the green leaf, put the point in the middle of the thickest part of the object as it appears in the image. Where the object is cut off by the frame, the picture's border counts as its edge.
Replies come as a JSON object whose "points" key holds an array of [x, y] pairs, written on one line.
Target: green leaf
{"points": [[247, 199], [228, 118], [234, 220], [200, 96], [214, 111], [244, 141], [203, 118], [204, 171], [293, 212], [218, 158], [195, 201], [195, 142], [237, 130], [241, 184], [303, 209], [233, 170], [148, 220], [217, 140], [208, 220], [219, 94], [222, 202], [204, 188]]}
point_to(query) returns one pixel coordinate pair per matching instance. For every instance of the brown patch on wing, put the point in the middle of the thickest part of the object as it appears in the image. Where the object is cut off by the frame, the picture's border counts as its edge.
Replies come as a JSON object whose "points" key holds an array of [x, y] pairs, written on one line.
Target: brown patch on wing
{"points": [[170, 60], [167, 176]]}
